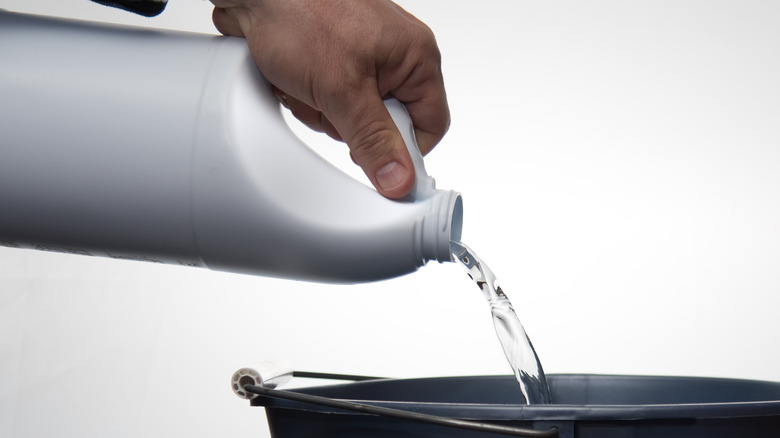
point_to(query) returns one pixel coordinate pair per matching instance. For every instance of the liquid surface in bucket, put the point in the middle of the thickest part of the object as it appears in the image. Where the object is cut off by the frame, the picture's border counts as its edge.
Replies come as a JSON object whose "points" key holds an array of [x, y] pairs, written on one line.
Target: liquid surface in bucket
{"points": [[517, 347]]}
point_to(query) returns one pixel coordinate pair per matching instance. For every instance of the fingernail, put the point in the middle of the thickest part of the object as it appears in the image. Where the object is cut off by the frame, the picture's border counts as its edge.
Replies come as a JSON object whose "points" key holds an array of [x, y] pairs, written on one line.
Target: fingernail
{"points": [[391, 175]]}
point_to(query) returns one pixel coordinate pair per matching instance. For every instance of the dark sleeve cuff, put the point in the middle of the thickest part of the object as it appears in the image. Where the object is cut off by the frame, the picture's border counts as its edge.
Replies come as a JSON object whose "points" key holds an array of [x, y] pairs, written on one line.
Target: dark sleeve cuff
{"points": [[147, 8]]}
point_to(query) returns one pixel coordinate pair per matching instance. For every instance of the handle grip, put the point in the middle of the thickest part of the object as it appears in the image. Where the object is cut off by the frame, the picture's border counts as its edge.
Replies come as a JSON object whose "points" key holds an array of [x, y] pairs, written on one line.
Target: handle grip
{"points": [[424, 185]]}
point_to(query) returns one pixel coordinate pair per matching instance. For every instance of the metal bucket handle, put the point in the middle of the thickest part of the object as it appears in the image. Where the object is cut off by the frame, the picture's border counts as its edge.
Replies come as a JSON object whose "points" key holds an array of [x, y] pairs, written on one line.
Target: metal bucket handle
{"points": [[389, 412]]}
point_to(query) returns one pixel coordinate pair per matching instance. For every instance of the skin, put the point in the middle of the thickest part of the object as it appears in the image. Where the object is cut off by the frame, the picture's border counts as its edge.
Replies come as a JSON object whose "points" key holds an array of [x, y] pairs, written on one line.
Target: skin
{"points": [[332, 61]]}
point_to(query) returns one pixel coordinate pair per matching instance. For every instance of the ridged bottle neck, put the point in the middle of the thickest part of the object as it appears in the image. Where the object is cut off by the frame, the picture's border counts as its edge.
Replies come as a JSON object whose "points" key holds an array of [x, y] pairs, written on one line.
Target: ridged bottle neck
{"points": [[443, 224]]}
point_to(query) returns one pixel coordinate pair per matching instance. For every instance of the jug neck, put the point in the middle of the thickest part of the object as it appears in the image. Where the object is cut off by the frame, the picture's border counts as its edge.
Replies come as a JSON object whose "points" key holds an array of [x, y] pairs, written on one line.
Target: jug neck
{"points": [[442, 225]]}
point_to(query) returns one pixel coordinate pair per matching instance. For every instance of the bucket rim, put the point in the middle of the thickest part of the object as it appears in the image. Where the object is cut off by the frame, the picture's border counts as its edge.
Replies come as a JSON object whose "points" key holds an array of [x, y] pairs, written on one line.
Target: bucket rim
{"points": [[552, 412]]}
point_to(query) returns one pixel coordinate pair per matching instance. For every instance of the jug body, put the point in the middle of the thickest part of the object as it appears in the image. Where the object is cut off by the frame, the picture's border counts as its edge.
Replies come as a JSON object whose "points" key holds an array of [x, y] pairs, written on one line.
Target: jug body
{"points": [[169, 147]]}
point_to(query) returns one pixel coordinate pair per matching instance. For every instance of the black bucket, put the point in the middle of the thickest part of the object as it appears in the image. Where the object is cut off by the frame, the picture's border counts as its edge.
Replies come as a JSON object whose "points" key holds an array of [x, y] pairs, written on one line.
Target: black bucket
{"points": [[584, 406]]}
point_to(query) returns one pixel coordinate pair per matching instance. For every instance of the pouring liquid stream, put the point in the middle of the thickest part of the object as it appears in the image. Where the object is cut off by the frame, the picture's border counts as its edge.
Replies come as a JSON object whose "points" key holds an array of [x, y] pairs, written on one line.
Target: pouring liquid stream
{"points": [[511, 334]]}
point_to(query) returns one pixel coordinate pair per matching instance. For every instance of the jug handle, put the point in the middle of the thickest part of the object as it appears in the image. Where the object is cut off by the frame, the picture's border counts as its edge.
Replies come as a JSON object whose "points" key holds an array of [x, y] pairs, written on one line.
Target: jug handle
{"points": [[424, 185]]}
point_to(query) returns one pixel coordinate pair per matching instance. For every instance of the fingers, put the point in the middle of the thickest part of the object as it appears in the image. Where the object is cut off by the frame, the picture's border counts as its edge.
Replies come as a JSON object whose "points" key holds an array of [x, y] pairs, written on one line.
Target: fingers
{"points": [[375, 143], [369, 131], [431, 118], [225, 22], [421, 88], [309, 116]]}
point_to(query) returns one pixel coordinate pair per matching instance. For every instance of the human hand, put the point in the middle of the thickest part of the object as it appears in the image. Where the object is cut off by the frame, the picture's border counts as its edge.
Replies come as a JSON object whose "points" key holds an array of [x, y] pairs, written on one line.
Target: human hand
{"points": [[332, 61]]}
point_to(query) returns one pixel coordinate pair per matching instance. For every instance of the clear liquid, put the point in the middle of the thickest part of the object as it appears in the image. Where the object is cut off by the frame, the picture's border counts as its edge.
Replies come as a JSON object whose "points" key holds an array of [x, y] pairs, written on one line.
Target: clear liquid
{"points": [[517, 347]]}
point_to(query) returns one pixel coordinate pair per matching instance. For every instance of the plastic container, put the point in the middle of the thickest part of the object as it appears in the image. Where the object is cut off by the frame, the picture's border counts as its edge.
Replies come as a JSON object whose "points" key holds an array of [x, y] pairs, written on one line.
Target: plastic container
{"points": [[169, 147], [584, 406]]}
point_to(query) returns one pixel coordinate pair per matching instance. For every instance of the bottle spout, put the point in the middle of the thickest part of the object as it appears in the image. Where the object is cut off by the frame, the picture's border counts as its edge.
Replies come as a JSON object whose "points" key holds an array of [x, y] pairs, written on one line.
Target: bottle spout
{"points": [[447, 225]]}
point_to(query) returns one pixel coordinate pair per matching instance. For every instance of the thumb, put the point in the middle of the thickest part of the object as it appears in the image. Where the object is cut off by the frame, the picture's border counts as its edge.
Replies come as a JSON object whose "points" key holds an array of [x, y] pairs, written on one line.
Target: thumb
{"points": [[376, 146]]}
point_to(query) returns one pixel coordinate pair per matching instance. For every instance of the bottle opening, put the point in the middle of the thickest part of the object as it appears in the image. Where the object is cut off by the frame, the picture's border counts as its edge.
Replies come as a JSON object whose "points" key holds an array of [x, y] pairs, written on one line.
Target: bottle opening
{"points": [[456, 223]]}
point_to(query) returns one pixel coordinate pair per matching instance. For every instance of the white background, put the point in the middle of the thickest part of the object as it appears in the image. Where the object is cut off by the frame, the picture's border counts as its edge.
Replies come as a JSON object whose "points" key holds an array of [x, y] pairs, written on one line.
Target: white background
{"points": [[619, 163]]}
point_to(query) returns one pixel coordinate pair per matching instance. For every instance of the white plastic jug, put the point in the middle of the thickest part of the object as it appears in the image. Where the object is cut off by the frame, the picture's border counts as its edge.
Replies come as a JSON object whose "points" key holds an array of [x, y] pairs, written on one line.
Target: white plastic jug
{"points": [[169, 147]]}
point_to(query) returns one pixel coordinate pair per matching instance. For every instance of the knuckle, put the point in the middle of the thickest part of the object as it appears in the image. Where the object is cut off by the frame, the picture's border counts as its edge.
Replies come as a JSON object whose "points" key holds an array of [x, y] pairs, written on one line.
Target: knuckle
{"points": [[371, 142]]}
